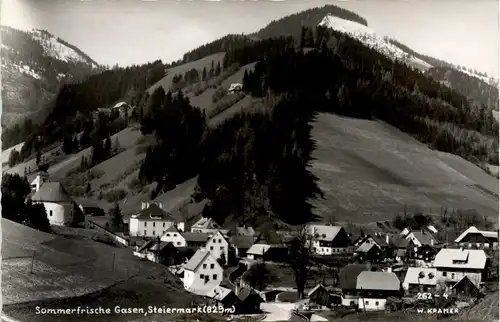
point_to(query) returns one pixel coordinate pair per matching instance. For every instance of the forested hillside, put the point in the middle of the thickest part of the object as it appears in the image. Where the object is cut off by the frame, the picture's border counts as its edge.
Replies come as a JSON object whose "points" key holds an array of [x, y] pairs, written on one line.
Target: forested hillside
{"points": [[469, 86], [268, 153]]}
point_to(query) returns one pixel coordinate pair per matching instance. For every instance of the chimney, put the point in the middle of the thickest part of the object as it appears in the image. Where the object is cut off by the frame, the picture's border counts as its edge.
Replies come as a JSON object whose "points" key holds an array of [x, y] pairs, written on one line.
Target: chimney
{"points": [[432, 241], [387, 238], [389, 269]]}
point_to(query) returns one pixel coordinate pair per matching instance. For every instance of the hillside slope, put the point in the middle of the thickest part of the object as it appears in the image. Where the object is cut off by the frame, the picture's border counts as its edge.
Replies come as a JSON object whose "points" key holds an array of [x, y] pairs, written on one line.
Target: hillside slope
{"points": [[34, 64], [369, 170]]}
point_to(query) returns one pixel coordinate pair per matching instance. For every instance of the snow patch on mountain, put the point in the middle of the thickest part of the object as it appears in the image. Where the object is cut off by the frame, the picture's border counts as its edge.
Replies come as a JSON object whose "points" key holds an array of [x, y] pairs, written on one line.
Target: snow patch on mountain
{"points": [[54, 48], [370, 38]]}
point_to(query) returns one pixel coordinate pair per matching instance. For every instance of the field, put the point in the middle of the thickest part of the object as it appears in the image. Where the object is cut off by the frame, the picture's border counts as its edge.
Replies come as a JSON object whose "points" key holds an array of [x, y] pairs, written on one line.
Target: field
{"points": [[369, 170], [166, 81]]}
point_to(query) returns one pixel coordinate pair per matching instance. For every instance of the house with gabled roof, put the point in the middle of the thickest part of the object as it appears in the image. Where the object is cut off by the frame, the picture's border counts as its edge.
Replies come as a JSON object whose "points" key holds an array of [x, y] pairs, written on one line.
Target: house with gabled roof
{"points": [[201, 269], [420, 238], [151, 221], [269, 246], [466, 288], [329, 240], [207, 226], [374, 288], [453, 264], [348, 276], [475, 238], [241, 244], [184, 239], [420, 279], [61, 209], [218, 245]]}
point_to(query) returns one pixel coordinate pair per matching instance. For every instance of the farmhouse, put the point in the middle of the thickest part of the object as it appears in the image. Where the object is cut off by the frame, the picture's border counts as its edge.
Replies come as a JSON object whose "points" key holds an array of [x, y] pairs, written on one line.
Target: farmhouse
{"points": [[60, 207], [329, 240], [320, 295], [348, 277], [206, 226], [375, 287], [160, 252], [235, 87], [474, 238], [218, 246], [369, 252], [241, 244], [182, 239], [453, 264], [201, 269], [151, 221], [420, 238], [420, 279]]}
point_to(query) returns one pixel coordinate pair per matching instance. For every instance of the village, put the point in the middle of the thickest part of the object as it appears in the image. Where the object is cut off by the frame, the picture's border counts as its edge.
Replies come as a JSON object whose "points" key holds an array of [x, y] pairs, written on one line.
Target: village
{"points": [[315, 272]]}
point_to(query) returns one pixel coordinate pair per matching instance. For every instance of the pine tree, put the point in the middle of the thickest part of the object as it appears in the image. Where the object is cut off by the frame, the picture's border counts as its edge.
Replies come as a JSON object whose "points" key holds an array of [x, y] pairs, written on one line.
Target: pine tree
{"points": [[217, 69], [225, 61], [116, 217], [88, 189], [38, 157], [204, 74], [107, 146], [212, 70]]}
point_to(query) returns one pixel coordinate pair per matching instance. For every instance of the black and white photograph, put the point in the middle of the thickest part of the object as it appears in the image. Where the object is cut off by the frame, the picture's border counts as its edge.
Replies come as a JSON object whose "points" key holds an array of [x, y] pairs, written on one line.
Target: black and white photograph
{"points": [[249, 161]]}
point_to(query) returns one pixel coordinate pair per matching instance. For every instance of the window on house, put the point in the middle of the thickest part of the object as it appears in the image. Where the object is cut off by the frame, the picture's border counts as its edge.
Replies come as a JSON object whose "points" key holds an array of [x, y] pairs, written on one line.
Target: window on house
{"points": [[366, 302], [163, 224], [178, 243], [222, 248], [452, 275], [204, 265], [153, 232], [202, 276], [168, 235], [220, 240], [175, 235], [444, 274], [214, 277], [145, 224], [212, 266], [154, 224], [145, 233], [51, 213], [376, 303], [214, 241], [211, 247], [352, 303]]}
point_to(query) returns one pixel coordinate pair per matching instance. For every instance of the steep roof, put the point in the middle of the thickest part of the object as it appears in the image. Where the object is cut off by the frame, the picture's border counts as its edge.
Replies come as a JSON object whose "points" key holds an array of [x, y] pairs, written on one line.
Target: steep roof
{"points": [[472, 230], [365, 247], [195, 237], [349, 274], [399, 241], [429, 276], [153, 212], [369, 280], [196, 260], [258, 249], [467, 258], [242, 241], [423, 238], [315, 289], [245, 292], [323, 232], [206, 223], [52, 192]]}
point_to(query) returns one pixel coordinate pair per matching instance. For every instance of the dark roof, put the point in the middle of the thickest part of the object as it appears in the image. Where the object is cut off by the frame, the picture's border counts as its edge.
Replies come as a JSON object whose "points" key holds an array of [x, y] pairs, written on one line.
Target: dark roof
{"points": [[153, 211], [348, 275], [145, 245], [270, 238], [189, 212], [242, 241], [195, 237], [423, 238], [196, 260], [246, 292], [160, 246], [52, 192], [399, 241]]}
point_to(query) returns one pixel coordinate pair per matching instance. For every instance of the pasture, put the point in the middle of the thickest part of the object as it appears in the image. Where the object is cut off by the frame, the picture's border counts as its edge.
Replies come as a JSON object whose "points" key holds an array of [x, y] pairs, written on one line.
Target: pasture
{"points": [[369, 170]]}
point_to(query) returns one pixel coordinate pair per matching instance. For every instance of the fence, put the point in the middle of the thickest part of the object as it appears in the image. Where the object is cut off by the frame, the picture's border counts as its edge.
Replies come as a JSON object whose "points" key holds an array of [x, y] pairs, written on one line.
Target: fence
{"points": [[121, 240]]}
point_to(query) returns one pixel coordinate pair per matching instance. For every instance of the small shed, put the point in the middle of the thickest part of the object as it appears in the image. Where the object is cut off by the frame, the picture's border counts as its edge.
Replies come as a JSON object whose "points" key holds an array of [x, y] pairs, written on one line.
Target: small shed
{"points": [[320, 295], [250, 300], [466, 288]]}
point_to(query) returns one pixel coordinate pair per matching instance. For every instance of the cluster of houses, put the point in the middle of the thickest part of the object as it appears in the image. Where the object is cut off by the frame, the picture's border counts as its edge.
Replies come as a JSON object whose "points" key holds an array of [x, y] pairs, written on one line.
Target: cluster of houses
{"points": [[383, 268]]}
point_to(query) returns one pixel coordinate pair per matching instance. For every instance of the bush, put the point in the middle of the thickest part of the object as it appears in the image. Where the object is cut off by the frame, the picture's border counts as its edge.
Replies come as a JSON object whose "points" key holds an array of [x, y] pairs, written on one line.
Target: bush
{"points": [[115, 195]]}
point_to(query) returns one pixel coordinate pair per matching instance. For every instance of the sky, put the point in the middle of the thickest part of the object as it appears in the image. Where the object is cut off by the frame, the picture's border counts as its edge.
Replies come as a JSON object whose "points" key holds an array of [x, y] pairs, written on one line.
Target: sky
{"points": [[125, 32]]}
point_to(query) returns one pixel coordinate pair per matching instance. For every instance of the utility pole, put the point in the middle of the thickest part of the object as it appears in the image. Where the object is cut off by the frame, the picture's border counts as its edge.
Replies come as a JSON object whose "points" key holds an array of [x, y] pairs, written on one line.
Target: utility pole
{"points": [[113, 263], [33, 261]]}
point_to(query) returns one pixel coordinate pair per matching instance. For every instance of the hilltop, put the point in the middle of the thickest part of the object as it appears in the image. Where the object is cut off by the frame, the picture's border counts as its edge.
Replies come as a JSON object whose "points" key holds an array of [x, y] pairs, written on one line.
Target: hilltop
{"points": [[34, 64]]}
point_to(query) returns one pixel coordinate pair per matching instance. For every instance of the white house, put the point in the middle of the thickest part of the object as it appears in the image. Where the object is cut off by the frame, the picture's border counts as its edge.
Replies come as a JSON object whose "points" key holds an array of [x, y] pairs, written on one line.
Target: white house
{"points": [[475, 238], [420, 279], [420, 238], [60, 207], [152, 221], [375, 288], [218, 245], [329, 240], [174, 236], [201, 269], [205, 225], [405, 232], [453, 264], [235, 87]]}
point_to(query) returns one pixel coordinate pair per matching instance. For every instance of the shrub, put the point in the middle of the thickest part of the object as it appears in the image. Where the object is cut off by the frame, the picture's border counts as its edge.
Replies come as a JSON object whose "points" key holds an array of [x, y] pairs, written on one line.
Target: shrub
{"points": [[115, 195]]}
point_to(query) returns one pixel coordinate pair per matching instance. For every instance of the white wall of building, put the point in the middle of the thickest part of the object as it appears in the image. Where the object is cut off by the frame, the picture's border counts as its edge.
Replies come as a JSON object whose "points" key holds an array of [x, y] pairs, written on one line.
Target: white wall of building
{"points": [[148, 228], [209, 268], [175, 238], [218, 245], [371, 304], [454, 277], [321, 250], [59, 214]]}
